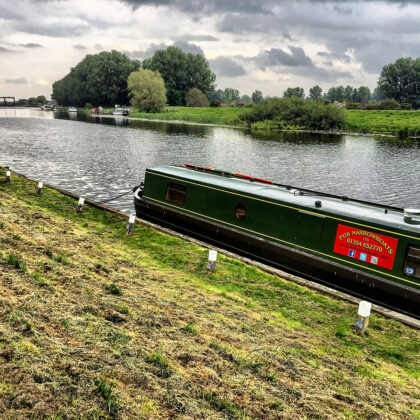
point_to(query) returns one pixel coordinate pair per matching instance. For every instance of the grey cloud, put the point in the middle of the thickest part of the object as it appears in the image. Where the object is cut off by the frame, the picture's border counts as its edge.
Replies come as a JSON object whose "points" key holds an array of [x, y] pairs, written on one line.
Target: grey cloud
{"points": [[6, 50], [184, 46], [61, 30], [17, 81], [345, 58], [31, 45], [99, 47], [276, 56], [149, 52], [79, 47], [227, 67], [188, 47], [191, 37]]}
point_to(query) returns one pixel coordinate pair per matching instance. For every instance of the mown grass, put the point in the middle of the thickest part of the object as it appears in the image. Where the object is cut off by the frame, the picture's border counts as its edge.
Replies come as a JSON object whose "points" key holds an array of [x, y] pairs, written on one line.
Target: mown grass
{"points": [[394, 121], [178, 341]]}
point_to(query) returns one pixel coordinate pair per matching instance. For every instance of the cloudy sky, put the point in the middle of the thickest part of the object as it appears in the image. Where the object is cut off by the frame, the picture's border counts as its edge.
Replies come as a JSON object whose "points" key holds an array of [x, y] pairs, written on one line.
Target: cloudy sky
{"points": [[267, 45]]}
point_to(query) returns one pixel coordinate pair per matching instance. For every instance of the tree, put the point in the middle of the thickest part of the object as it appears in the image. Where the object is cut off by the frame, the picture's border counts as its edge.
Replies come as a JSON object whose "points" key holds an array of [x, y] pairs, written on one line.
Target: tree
{"points": [[246, 99], [100, 79], [401, 81], [335, 94], [230, 95], [181, 71], [196, 98], [147, 90], [315, 92], [257, 97], [364, 94], [32, 102], [298, 92], [348, 93], [41, 99]]}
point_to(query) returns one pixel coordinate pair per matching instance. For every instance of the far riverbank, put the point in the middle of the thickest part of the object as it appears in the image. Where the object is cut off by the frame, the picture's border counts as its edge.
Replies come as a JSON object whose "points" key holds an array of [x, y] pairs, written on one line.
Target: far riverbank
{"points": [[386, 122]]}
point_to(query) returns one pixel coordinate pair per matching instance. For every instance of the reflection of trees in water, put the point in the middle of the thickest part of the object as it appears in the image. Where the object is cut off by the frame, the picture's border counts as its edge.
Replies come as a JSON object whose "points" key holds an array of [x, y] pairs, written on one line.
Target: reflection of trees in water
{"points": [[293, 137], [172, 128], [157, 126]]}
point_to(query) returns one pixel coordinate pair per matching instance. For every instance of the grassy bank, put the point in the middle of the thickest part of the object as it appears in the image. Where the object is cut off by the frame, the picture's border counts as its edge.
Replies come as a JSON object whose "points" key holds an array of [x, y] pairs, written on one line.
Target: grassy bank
{"points": [[394, 121], [219, 116], [95, 324], [361, 121]]}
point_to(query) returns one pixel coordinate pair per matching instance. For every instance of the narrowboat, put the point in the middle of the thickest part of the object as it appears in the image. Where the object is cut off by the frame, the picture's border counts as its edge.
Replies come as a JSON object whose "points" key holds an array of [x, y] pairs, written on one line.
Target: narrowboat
{"points": [[367, 249]]}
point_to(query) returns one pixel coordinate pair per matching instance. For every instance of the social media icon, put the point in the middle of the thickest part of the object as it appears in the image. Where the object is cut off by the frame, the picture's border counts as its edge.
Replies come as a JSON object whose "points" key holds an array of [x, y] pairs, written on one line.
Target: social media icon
{"points": [[363, 256], [374, 260], [352, 253], [409, 271]]}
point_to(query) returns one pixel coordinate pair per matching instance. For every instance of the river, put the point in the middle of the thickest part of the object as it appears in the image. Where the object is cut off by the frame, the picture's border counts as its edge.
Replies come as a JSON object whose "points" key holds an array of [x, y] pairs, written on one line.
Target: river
{"points": [[103, 157]]}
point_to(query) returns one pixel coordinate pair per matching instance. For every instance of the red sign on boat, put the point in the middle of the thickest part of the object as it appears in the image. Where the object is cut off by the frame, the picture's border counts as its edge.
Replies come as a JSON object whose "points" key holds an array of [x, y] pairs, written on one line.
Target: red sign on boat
{"points": [[365, 246]]}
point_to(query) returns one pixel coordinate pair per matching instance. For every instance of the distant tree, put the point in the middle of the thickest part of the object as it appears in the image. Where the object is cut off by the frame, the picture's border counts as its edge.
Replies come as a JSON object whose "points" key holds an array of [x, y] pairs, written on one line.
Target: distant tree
{"points": [[297, 92], [335, 94], [216, 95], [348, 93], [257, 97], [147, 90], [364, 94], [377, 95], [181, 71], [401, 81], [246, 99], [100, 79], [41, 99], [315, 92], [230, 95], [196, 98], [33, 102]]}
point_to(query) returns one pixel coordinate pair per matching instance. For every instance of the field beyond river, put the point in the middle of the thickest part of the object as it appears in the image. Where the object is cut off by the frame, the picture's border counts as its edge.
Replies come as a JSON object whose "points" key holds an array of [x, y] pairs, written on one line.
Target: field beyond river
{"points": [[360, 121], [97, 324]]}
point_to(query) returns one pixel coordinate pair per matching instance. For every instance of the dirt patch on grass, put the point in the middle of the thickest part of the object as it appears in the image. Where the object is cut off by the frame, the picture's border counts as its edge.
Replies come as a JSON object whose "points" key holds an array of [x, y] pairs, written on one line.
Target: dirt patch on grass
{"points": [[94, 324]]}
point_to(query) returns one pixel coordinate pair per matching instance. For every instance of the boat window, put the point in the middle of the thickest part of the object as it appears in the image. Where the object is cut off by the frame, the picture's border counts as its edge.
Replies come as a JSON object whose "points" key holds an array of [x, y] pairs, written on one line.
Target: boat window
{"points": [[176, 192], [240, 211], [412, 262]]}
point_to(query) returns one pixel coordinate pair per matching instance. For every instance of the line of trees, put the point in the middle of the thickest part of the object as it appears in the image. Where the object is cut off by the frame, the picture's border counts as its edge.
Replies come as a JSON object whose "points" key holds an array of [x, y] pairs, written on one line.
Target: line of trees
{"points": [[103, 79]]}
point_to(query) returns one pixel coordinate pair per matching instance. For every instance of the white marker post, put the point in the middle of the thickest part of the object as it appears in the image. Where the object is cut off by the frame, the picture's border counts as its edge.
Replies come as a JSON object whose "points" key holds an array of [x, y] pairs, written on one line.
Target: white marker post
{"points": [[131, 221], [7, 176], [79, 206], [363, 314], [39, 189], [211, 265]]}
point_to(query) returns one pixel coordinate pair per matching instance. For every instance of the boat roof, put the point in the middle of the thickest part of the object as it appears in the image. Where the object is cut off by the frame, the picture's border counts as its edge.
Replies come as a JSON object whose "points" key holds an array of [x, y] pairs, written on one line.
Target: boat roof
{"points": [[301, 199]]}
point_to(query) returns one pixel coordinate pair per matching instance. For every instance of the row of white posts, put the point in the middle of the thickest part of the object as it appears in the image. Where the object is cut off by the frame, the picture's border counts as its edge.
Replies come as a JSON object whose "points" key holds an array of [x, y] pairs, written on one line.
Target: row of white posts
{"points": [[363, 312]]}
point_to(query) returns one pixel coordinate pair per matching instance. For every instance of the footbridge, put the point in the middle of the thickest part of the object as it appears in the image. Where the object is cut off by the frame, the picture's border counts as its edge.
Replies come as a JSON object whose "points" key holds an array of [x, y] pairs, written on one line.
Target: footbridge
{"points": [[7, 100]]}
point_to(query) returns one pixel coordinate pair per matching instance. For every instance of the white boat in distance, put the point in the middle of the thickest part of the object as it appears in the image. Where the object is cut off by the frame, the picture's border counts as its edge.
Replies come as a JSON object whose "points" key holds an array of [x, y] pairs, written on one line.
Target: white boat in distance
{"points": [[72, 109], [121, 111]]}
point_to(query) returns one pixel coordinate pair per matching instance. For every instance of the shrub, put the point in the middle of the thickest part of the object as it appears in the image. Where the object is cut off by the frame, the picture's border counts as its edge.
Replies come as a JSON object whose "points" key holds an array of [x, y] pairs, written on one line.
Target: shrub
{"points": [[113, 289], [389, 104], [215, 103], [296, 112], [372, 107], [406, 106], [352, 105], [196, 98], [88, 105]]}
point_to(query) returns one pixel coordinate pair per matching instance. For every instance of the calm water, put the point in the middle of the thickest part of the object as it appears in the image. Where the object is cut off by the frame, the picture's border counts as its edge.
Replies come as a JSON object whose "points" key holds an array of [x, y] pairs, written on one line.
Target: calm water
{"points": [[102, 157]]}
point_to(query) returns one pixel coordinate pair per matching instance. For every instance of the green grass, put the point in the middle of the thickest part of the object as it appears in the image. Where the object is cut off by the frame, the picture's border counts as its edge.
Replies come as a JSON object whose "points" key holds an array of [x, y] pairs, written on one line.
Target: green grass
{"points": [[393, 121], [210, 115], [180, 341]]}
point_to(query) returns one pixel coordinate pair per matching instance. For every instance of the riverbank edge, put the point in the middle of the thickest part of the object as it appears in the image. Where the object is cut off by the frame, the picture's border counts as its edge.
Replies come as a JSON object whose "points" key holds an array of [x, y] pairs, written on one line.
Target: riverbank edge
{"points": [[393, 134], [328, 291]]}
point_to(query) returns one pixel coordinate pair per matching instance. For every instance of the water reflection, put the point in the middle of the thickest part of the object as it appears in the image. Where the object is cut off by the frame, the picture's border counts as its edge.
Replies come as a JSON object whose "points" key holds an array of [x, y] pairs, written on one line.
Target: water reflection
{"points": [[102, 157]]}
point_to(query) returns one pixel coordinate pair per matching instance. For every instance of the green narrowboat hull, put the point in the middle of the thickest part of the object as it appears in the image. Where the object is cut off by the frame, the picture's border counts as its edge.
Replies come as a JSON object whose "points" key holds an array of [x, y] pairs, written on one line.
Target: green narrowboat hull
{"points": [[310, 234]]}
